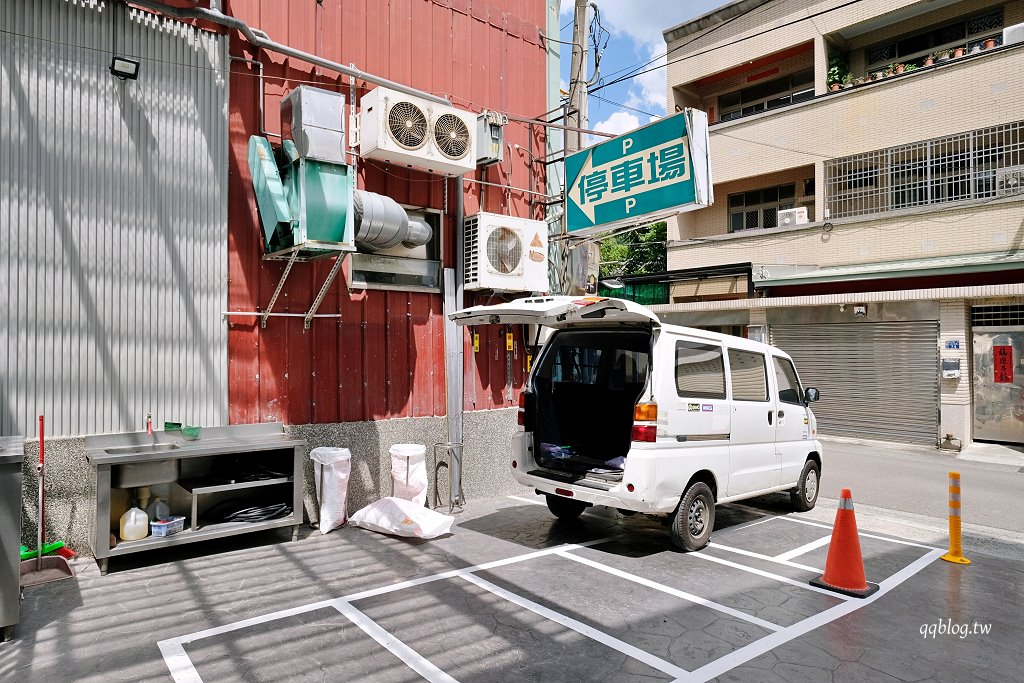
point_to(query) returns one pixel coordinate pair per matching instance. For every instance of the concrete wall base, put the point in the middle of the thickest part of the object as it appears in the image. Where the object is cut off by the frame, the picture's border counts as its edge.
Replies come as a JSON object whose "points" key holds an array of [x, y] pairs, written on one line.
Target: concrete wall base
{"points": [[71, 489]]}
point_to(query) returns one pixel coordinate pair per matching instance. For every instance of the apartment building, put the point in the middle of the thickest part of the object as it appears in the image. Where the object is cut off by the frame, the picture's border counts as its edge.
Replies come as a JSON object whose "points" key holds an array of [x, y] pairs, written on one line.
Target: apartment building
{"points": [[868, 168]]}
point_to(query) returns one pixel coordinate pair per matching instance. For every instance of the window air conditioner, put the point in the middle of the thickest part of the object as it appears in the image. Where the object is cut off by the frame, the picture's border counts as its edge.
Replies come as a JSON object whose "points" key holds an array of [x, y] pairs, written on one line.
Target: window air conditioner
{"points": [[1009, 181]]}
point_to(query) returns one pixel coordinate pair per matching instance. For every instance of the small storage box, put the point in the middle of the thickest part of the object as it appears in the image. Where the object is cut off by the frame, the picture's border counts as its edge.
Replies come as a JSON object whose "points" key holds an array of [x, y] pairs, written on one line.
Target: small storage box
{"points": [[166, 527]]}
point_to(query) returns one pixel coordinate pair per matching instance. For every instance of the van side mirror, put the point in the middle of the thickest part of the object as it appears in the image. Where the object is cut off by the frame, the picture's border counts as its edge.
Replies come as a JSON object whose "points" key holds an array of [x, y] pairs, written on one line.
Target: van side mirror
{"points": [[811, 394]]}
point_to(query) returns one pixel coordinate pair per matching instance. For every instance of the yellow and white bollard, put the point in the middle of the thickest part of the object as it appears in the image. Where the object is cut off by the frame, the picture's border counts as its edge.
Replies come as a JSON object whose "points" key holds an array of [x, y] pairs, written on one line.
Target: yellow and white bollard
{"points": [[956, 551]]}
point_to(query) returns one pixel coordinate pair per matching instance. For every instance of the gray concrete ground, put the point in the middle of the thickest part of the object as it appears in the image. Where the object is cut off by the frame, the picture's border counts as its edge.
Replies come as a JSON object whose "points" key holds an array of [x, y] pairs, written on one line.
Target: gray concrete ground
{"points": [[514, 594]]}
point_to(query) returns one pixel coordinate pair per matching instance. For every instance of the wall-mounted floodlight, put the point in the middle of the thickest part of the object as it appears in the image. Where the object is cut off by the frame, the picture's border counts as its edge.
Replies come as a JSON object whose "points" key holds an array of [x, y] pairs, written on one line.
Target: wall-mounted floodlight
{"points": [[124, 68]]}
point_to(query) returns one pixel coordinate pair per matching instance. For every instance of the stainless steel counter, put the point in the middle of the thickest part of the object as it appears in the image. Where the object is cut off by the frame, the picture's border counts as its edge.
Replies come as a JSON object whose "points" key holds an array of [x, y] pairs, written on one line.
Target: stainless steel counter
{"points": [[12, 452], [139, 459]]}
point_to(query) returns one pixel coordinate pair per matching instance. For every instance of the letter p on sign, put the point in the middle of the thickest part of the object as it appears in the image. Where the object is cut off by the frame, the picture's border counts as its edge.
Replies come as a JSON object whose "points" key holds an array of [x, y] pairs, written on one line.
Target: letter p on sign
{"points": [[626, 144], [630, 203]]}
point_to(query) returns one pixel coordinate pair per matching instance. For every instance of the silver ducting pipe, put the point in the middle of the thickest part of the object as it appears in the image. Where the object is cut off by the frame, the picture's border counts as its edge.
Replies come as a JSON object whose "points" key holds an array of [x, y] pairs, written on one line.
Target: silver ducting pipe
{"points": [[260, 39], [381, 223]]}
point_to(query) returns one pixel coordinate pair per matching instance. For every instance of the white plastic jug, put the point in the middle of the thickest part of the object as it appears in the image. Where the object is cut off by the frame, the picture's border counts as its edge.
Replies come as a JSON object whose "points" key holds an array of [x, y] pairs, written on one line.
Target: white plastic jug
{"points": [[157, 510], [134, 525]]}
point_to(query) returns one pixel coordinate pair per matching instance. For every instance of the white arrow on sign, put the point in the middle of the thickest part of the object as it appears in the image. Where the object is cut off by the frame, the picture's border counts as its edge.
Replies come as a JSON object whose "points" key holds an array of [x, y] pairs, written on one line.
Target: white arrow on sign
{"points": [[645, 184]]}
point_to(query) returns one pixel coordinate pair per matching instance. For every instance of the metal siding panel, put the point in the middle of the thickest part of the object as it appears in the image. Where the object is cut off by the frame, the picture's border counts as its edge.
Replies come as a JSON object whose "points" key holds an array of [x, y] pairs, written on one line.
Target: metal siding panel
{"points": [[374, 359], [118, 191], [351, 379], [400, 353], [877, 380]]}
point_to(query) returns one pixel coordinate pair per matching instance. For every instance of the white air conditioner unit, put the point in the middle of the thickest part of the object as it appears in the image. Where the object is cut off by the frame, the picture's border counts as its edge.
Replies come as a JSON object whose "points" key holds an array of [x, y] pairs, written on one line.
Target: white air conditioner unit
{"points": [[506, 254], [1013, 34], [797, 216], [1009, 181], [410, 131]]}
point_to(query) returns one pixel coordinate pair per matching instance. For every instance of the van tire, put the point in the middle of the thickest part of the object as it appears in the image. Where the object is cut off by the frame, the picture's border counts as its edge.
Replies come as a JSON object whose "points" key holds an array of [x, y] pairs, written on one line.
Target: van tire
{"points": [[805, 495], [694, 518], [565, 508]]}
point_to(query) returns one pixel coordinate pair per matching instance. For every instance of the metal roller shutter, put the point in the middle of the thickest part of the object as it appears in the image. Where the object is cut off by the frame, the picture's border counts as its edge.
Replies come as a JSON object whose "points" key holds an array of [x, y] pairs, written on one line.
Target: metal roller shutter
{"points": [[877, 380]]}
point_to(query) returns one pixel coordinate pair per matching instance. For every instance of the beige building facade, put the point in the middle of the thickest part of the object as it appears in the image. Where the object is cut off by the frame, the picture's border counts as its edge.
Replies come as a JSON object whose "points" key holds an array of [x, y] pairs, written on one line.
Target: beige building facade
{"points": [[868, 170]]}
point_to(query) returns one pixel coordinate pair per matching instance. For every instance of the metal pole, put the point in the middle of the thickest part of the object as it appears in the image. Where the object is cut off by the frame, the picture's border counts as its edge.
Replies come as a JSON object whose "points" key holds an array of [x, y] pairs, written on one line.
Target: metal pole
{"points": [[578, 76]]}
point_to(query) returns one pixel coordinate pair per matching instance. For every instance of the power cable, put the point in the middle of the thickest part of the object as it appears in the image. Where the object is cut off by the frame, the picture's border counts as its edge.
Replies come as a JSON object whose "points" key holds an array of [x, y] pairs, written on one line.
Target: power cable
{"points": [[726, 45]]}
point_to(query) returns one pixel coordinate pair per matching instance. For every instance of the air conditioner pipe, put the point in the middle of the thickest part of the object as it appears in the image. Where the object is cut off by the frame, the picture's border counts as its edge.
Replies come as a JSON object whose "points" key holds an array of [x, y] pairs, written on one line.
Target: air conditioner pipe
{"points": [[260, 39], [381, 223]]}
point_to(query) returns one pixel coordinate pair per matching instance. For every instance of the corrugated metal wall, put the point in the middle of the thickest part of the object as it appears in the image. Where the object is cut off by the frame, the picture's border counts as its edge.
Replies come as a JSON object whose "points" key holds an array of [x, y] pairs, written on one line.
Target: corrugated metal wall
{"points": [[384, 358], [113, 200]]}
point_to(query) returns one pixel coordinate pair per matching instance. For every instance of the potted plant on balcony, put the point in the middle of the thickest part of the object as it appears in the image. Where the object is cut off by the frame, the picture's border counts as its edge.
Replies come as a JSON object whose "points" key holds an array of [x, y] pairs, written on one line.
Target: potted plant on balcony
{"points": [[833, 78], [930, 59], [847, 80], [899, 68], [877, 75], [910, 67], [888, 71], [958, 51], [990, 42], [943, 55]]}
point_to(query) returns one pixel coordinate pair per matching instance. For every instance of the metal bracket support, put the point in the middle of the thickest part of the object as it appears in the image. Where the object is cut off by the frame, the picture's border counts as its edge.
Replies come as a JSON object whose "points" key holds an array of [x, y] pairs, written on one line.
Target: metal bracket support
{"points": [[277, 292], [308, 320]]}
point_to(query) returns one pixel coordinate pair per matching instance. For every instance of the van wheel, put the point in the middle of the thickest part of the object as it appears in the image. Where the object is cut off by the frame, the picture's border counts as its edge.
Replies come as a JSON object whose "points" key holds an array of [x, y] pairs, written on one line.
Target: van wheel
{"points": [[565, 508], [694, 518], [805, 495]]}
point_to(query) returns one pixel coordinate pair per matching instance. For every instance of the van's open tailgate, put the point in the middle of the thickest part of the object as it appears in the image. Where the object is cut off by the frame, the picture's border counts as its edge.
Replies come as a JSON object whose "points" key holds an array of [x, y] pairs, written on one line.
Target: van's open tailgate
{"points": [[556, 312]]}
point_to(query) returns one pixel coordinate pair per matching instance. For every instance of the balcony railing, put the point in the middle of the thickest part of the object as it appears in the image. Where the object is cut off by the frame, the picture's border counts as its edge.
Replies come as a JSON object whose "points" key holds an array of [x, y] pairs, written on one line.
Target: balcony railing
{"points": [[982, 164]]}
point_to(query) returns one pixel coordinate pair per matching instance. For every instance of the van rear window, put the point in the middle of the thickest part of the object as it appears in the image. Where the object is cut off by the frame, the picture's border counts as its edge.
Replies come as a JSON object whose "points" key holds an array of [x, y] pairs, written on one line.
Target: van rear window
{"points": [[700, 372]]}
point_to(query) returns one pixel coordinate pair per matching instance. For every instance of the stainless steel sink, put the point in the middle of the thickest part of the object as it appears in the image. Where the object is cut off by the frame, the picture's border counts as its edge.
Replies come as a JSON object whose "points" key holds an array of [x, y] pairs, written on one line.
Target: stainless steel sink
{"points": [[143, 448], [146, 473]]}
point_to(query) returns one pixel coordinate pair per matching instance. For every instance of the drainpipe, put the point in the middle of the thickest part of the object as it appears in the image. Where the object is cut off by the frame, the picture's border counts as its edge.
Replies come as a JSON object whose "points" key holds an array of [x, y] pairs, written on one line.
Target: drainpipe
{"points": [[261, 40]]}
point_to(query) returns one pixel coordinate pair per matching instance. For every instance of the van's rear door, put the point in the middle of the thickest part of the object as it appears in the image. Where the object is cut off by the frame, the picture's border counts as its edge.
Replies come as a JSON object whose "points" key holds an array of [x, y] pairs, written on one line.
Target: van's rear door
{"points": [[557, 312]]}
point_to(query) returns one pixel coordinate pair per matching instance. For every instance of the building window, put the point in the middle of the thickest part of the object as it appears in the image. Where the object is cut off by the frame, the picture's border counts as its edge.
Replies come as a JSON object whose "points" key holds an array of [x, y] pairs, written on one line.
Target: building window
{"points": [[759, 208], [778, 92], [914, 48], [987, 163]]}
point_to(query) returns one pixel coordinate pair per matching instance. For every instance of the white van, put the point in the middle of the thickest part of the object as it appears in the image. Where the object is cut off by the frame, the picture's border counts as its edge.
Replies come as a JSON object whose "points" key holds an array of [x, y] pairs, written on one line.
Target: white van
{"points": [[620, 410]]}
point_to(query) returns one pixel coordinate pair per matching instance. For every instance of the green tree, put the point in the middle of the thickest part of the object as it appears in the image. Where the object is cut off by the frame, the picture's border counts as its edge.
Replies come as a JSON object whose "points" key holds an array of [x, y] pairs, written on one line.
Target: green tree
{"points": [[635, 252]]}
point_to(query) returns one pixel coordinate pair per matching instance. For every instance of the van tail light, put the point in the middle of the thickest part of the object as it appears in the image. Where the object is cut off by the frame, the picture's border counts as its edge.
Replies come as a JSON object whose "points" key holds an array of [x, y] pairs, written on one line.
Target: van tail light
{"points": [[645, 433], [645, 412], [524, 417]]}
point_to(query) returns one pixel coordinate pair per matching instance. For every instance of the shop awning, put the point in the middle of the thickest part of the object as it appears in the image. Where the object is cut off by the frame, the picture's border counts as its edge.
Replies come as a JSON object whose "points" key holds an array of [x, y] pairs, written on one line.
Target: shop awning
{"points": [[940, 265]]}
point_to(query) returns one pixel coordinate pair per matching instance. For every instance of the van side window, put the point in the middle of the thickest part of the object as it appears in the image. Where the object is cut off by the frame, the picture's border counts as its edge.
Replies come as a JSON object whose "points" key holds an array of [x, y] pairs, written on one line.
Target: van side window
{"points": [[748, 372], [789, 385], [700, 372]]}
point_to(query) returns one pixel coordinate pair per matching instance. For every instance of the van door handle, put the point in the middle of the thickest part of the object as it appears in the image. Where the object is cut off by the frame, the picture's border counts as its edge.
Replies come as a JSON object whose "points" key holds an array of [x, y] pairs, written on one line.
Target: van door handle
{"points": [[769, 417]]}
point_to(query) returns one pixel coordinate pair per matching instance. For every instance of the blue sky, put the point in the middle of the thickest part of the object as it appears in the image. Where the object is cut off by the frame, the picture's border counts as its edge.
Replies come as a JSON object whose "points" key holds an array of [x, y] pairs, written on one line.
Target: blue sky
{"points": [[636, 36]]}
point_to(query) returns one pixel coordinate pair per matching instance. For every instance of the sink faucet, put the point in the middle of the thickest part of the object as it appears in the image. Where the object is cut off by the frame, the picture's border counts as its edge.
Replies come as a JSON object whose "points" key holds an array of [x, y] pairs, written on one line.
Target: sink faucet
{"points": [[149, 424]]}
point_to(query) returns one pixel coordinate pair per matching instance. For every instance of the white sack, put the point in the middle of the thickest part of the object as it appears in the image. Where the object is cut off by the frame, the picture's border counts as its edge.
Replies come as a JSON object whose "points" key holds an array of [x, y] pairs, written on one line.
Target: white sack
{"points": [[400, 517], [331, 469], [409, 472]]}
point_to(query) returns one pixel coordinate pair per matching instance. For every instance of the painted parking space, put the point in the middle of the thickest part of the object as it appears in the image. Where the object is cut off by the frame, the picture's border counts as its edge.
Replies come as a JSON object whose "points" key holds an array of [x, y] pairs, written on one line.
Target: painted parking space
{"points": [[619, 607]]}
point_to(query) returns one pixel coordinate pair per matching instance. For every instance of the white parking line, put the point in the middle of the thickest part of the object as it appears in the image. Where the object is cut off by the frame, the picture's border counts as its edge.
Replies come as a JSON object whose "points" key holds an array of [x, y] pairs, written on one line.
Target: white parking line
{"points": [[412, 659], [860, 533], [689, 597], [181, 667], [769, 575], [805, 548], [759, 647], [581, 628], [533, 501], [767, 558]]}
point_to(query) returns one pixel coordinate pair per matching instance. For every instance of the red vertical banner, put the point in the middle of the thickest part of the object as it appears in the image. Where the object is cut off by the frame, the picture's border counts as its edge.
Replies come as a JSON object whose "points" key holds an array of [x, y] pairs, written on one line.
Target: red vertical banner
{"points": [[1002, 363]]}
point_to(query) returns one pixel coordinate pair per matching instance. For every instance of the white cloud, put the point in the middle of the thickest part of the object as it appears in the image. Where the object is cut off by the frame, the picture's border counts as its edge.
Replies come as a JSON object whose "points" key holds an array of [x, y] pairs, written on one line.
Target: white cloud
{"points": [[618, 123]]}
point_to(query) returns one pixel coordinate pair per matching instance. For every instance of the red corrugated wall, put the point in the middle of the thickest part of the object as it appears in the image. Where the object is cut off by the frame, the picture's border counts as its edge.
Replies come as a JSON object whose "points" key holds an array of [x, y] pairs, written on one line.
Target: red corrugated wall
{"points": [[384, 357]]}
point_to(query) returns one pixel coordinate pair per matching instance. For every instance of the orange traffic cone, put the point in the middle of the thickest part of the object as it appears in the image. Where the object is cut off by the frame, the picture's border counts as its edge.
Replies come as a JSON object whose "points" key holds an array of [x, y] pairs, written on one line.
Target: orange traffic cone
{"points": [[844, 568]]}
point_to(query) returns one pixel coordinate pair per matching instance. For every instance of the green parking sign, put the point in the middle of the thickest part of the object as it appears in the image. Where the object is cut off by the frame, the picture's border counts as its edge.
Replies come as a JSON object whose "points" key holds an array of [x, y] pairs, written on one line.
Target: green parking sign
{"points": [[651, 172]]}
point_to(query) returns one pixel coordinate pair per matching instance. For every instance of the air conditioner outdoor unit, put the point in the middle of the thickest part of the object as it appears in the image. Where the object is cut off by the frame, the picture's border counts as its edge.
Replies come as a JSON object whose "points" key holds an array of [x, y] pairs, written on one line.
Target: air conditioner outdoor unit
{"points": [[1013, 34], [1010, 181], [797, 216], [506, 254], [410, 131]]}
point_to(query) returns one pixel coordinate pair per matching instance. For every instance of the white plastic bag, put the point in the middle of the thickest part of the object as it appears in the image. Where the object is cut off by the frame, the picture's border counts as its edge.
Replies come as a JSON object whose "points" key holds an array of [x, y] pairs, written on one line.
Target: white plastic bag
{"points": [[409, 472], [402, 518], [331, 469]]}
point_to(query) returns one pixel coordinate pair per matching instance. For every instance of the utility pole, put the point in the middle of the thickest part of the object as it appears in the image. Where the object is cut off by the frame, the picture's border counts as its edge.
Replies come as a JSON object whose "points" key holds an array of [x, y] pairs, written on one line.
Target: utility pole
{"points": [[578, 77]]}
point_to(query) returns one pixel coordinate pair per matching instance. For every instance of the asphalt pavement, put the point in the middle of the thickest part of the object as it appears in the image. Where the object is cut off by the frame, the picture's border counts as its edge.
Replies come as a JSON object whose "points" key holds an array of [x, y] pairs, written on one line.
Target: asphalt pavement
{"points": [[913, 479]]}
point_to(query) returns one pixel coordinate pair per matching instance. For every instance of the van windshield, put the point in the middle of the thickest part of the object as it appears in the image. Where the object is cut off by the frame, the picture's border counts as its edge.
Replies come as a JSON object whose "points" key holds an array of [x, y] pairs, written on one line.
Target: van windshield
{"points": [[587, 383]]}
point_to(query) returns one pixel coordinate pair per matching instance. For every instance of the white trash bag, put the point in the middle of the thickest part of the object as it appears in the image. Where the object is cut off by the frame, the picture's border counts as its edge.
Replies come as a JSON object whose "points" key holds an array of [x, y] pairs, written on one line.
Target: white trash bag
{"points": [[331, 469], [400, 517], [409, 472]]}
